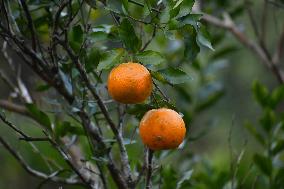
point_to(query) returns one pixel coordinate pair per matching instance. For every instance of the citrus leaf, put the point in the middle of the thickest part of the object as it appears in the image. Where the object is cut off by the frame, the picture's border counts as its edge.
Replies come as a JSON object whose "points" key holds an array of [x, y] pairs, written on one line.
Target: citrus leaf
{"points": [[267, 120], [39, 115], [278, 147], [189, 19], [62, 129], [174, 75], [128, 36], [177, 3], [92, 59], [42, 88], [192, 48], [75, 37], [186, 176], [263, 163], [255, 133], [261, 93], [204, 39], [152, 59], [139, 110], [277, 96], [125, 5], [110, 59]]}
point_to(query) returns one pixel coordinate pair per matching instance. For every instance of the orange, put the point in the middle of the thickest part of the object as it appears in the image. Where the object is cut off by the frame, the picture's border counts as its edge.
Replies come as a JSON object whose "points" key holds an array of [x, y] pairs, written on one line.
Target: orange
{"points": [[130, 83], [162, 129]]}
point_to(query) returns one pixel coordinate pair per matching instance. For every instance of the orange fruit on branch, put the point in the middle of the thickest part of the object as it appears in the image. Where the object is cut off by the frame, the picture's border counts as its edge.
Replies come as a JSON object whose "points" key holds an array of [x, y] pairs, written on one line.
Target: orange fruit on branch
{"points": [[130, 83], [162, 129]]}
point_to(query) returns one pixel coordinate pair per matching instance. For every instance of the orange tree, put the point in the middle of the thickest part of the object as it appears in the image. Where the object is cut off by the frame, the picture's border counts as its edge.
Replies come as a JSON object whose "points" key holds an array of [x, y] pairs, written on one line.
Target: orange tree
{"points": [[100, 66], [72, 52]]}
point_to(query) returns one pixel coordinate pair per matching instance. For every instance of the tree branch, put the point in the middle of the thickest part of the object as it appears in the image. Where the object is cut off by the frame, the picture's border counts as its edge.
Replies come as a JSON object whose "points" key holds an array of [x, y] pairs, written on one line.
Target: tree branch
{"points": [[84, 76], [35, 173], [149, 169], [65, 155], [30, 23], [229, 25]]}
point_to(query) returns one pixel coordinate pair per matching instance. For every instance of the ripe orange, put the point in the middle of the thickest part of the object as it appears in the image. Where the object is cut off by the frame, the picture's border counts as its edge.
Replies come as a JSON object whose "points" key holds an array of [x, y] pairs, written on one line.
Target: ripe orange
{"points": [[162, 129], [130, 83]]}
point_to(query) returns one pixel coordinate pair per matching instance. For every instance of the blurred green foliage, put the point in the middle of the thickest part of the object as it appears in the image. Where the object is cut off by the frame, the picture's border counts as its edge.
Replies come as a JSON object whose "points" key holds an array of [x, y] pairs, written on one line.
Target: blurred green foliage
{"points": [[195, 71]]}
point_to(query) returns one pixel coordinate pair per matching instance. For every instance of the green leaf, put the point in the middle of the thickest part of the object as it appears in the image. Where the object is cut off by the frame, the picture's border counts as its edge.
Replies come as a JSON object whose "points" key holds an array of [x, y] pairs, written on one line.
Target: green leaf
{"points": [[185, 8], [139, 109], [186, 176], [99, 36], [279, 177], [158, 76], [152, 59], [75, 38], [224, 52], [268, 119], [91, 3], [263, 163], [261, 93], [104, 32], [162, 102], [128, 36], [125, 5], [42, 88], [174, 76], [177, 3], [277, 96], [169, 178], [62, 129], [190, 19], [191, 49], [67, 81], [92, 59], [255, 133], [203, 38], [173, 12], [39, 115], [278, 147], [110, 59]]}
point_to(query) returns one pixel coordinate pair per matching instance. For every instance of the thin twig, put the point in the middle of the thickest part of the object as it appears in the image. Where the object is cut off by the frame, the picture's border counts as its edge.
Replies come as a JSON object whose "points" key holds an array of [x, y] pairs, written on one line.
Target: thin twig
{"points": [[144, 166], [33, 172], [142, 5], [251, 17], [276, 4], [100, 103], [149, 169], [231, 153], [30, 23], [228, 24], [150, 40], [12, 126]]}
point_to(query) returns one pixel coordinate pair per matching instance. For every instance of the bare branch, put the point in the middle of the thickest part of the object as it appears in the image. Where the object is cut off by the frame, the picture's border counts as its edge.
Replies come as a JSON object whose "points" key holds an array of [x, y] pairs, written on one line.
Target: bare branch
{"points": [[35, 173], [12, 126], [75, 167], [149, 169], [280, 49], [141, 5], [144, 166], [263, 20], [228, 24], [276, 4], [251, 17], [150, 40], [30, 23]]}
